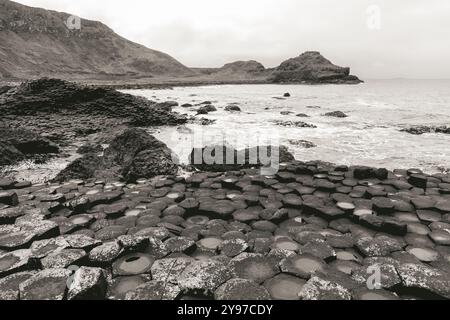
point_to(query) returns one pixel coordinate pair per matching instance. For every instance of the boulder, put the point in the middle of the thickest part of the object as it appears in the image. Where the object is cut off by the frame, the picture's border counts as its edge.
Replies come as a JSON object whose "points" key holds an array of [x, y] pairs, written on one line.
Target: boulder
{"points": [[132, 155]]}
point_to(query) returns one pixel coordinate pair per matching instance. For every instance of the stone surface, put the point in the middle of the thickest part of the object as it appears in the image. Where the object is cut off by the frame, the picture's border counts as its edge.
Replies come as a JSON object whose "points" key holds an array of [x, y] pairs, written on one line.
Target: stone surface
{"points": [[241, 289]]}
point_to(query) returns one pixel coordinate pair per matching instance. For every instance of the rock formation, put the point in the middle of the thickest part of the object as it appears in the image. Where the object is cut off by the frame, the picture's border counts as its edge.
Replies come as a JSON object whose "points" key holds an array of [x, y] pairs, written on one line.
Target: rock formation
{"points": [[311, 67], [133, 154]]}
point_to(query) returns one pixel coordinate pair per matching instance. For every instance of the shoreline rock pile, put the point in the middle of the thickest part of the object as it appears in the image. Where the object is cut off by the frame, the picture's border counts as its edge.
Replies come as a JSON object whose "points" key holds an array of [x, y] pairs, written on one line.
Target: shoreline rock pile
{"points": [[419, 130], [313, 231]]}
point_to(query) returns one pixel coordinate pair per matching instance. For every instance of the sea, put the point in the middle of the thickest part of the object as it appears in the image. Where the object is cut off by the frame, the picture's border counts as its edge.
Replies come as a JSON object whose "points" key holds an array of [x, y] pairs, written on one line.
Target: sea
{"points": [[371, 134]]}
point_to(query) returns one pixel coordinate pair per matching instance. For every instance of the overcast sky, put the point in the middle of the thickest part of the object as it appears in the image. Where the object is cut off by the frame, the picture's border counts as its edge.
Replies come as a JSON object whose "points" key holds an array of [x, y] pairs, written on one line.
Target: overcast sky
{"points": [[411, 39]]}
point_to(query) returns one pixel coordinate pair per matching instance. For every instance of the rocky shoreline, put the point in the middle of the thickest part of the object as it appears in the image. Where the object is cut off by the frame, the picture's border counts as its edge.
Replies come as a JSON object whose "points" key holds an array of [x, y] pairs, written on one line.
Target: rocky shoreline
{"points": [[312, 231]]}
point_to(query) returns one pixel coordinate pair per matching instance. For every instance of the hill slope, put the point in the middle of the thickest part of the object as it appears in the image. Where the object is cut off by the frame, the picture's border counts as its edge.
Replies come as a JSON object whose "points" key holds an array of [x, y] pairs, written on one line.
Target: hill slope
{"points": [[36, 42]]}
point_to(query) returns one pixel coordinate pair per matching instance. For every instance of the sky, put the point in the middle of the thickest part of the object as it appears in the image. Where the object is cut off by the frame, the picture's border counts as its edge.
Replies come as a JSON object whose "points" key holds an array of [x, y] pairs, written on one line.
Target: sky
{"points": [[378, 39]]}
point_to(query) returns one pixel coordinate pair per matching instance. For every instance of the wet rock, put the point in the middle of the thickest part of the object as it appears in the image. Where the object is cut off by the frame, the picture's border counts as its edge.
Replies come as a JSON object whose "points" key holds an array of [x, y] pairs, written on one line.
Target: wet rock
{"points": [[336, 114], [88, 284], [254, 267], [241, 289], [206, 109], [133, 264], [424, 254], [120, 286], [210, 244], [204, 276], [48, 284], [294, 124], [153, 291], [303, 266], [232, 108], [285, 287]]}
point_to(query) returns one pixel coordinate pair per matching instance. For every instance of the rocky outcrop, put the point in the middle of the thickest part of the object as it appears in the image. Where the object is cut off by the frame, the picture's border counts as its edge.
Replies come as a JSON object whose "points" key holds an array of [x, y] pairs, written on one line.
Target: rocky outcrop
{"points": [[246, 158], [18, 144], [419, 130], [336, 114], [91, 51], [311, 67], [131, 155], [54, 96]]}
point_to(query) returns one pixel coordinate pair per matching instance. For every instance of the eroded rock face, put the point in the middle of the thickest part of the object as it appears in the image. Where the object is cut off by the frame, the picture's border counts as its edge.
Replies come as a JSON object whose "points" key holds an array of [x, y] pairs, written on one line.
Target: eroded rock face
{"points": [[134, 154], [311, 67]]}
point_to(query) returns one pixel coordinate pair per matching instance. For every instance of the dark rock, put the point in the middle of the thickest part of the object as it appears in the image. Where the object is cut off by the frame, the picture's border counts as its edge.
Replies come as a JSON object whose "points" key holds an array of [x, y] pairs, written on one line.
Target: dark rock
{"points": [[133, 154], [336, 114], [232, 108], [9, 198], [294, 124], [53, 96], [206, 109], [247, 158]]}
